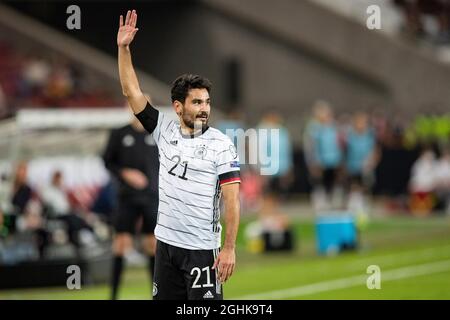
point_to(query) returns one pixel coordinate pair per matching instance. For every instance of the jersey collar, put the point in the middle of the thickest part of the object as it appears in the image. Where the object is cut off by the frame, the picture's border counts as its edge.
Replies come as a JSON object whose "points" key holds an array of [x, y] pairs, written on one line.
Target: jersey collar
{"points": [[192, 136]]}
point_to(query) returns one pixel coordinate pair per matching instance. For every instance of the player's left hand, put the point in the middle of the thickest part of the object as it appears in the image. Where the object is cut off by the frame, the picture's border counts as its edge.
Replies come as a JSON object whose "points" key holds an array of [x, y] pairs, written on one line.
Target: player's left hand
{"points": [[225, 263]]}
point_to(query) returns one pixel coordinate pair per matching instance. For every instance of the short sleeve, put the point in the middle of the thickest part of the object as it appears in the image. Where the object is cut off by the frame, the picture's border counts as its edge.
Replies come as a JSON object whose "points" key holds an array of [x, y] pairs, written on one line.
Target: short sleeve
{"points": [[228, 166]]}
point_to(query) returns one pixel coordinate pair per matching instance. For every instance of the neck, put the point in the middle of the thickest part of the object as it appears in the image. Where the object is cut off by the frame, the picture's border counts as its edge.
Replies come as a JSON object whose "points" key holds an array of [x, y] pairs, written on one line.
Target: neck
{"points": [[192, 132]]}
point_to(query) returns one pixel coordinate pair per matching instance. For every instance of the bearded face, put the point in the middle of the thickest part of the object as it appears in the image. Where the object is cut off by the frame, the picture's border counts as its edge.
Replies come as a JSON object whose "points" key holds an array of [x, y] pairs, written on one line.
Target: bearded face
{"points": [[195, 111]]}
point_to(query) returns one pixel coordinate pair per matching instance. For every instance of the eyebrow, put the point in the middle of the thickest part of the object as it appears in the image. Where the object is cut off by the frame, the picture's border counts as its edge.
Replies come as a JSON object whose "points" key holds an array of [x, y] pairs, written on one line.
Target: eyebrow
{"points": [[201, 100]]}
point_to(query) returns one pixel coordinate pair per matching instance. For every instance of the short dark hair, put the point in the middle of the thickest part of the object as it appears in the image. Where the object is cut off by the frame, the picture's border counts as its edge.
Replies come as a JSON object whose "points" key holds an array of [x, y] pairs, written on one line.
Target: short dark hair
{"points": [[186, 82]]}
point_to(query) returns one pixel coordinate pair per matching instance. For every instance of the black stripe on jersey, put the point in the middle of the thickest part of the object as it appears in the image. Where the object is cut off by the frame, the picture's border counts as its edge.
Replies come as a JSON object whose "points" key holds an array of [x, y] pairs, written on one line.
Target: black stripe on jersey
{"points": [[190, 179], [229, 175], [208, 148], [219, 165], [171, 121], [222, 151], [196, 227], [187, 204], [187, 191], [198, 158], [216, 208], [185, 214], [203, 138], [163, 201], [159, 134], [184, 244], [165, 140], [190, 215], [173, 229], [177, 218], [167, 215], [188, 166]]}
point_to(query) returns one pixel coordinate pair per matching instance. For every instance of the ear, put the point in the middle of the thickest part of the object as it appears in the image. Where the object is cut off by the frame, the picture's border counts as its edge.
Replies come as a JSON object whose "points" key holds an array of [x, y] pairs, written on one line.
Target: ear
{"points": [[178, 107]]}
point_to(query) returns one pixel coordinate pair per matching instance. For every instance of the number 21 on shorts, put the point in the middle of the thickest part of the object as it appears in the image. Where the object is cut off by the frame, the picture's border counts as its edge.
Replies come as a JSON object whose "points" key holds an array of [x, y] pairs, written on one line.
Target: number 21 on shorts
{"points": [[198, 272]]}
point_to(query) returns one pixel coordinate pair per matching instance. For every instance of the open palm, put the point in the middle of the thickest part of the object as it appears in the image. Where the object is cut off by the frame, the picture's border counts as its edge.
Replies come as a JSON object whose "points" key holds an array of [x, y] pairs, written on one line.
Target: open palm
{"points": [[126, 32]]}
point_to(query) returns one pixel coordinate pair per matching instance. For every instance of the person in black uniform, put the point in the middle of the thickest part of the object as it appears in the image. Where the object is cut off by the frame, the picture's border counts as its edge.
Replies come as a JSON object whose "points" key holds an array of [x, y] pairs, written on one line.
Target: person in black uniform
{"points": [[131, 156]]}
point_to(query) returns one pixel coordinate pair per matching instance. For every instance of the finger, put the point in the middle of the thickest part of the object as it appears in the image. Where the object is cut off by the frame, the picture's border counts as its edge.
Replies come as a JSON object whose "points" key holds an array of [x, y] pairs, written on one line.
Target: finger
{"points": [[227, 274], [121, 21], [127, 19], [221, 274], [133, 18], [134, 31]]}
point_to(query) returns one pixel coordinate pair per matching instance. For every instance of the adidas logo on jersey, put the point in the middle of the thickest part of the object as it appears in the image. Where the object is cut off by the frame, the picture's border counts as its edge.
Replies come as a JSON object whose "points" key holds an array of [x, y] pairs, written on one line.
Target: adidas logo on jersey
{"points": [[174, 142], [208, 295]]}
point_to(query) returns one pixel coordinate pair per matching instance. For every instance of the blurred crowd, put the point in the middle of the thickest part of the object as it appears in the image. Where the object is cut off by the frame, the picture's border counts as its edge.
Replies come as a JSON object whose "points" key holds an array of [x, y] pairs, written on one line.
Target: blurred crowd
{"points": [[344, 158], [43, 218], [342, 161], [426, 19], [34, 80]]}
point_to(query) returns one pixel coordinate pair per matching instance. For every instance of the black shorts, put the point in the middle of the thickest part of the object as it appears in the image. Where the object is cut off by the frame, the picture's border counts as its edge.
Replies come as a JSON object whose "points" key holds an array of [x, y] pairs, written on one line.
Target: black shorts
{"points": [[182, 274], [130, 210]]}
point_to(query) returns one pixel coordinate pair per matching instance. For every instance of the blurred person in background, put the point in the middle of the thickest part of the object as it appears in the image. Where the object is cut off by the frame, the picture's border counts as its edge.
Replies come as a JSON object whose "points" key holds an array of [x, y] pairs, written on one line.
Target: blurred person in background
{"points": [[4, 110], [422, 183], [272, 231], [360, 161], [442, 183], [278, 151], [323, 156], [35, 73], [22, 193], [131, 156], [415, 10], [26, 211], [56, 202]]}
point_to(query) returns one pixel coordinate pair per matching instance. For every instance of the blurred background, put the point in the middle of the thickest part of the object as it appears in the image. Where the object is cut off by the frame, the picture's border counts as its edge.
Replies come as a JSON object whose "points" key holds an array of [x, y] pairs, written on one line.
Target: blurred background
{"points": [[364, 144]]}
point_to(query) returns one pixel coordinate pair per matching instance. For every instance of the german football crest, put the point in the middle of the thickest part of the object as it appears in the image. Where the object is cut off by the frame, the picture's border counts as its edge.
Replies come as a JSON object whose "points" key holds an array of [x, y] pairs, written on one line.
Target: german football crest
{"points": [[200, 152]]}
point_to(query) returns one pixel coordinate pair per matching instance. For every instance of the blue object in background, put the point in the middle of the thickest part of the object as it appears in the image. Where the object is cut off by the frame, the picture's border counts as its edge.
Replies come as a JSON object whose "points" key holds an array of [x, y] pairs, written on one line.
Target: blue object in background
{"points": [[335, 233]]}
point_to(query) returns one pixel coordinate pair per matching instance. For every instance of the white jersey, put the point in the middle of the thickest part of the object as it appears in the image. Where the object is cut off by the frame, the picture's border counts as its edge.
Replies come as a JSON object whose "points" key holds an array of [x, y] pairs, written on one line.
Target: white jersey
{"points": [[191, 173]]}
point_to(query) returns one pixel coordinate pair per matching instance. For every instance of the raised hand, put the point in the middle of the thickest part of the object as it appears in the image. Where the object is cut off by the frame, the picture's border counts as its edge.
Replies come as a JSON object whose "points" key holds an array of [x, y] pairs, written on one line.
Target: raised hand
{"points": [[127, 31]]}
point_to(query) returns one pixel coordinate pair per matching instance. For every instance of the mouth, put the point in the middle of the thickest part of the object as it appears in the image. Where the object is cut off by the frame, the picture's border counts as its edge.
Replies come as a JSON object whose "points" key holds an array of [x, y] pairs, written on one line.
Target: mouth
{"points": [[202, 117]]}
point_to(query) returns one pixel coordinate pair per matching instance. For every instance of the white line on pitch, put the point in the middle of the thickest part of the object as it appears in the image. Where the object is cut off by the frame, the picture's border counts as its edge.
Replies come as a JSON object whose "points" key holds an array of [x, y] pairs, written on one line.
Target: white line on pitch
{"points": [[394, 274]]}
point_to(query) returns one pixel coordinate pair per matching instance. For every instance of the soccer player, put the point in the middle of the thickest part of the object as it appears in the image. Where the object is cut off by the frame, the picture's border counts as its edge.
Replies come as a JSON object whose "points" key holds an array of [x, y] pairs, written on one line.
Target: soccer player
{"points": [[198, 164], [131, 156], [360, 161]]}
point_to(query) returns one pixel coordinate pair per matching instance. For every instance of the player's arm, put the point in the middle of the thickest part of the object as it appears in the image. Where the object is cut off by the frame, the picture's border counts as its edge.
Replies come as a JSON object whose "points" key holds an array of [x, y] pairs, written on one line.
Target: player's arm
{"points": [[128, 78], [226, 259]]}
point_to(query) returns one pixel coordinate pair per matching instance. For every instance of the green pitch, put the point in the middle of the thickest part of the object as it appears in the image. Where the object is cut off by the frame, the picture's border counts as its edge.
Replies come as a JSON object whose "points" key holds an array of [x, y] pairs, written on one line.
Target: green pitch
{"points": [[412, 254]]}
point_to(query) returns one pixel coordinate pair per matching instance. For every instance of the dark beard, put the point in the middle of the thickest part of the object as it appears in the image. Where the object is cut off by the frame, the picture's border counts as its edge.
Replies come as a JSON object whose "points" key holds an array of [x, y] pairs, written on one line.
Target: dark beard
{"points": [[191, 123]]}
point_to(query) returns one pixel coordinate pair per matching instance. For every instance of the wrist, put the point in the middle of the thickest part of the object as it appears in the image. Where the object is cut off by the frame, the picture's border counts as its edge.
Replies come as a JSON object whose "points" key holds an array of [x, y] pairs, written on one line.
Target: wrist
{"points": [[229, 247]]}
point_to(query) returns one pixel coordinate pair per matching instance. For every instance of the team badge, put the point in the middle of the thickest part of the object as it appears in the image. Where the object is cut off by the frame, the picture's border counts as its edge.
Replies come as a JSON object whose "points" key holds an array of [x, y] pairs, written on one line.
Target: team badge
{"points": [[155, 289], [200, 152]]}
